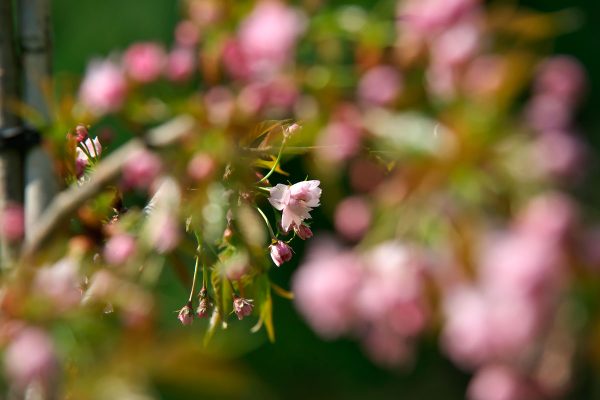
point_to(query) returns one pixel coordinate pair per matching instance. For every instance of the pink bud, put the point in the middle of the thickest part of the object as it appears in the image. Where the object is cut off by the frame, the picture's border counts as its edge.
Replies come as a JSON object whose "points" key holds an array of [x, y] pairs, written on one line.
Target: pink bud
{"points": [[12, 222], [144, 61], [303, 231], [186, 314], [81, 133], [205, 304], [242, 307], [119, 248], [280, 253]]}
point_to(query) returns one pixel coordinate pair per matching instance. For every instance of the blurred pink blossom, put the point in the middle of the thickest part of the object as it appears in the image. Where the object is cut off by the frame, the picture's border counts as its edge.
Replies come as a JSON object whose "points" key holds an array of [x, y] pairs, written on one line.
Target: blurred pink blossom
{"points": [[60, 283], [220, 105], [144, 62], [500, 382], [325, 286], [549, 216], [430, 17], [380, 85], [201, 167], [180, 64], [561, 155], [342, 136], [268, 35], [119, 249], [295, 201], [352, 218], [563, 77], [547, 112], [141, 169], [166, 235], [386, 348], [186, 33], [30, 358], [104, 87], [12, 222]]}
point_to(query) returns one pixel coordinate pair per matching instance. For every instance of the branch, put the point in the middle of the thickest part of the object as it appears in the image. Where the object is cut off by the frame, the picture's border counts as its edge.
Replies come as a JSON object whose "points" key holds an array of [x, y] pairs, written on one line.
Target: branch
{"points": [[107, 171]]}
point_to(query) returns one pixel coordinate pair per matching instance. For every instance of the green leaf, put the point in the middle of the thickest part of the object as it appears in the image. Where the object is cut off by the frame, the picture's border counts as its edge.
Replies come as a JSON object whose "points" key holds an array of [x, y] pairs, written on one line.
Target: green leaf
{"points": [[214, 322], [262, 292]]}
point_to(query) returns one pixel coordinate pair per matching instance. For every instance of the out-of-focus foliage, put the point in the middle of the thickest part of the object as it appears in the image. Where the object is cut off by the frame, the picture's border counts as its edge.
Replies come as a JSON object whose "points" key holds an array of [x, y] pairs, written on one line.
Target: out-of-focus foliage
{"points": [[444, 135]]}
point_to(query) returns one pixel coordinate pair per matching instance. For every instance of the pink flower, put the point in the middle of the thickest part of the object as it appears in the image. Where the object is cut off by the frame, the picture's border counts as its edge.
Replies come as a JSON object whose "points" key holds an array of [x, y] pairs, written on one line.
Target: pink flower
{"points": [[303, 231], [104, 88], [180, 64], [93, 147], [119, 248], [142, 168], [186, 314], [342, 136], [144, 62], [30, 357], [242, 307], [12, 222], [280, 253], [380, 86], [295, 201]]}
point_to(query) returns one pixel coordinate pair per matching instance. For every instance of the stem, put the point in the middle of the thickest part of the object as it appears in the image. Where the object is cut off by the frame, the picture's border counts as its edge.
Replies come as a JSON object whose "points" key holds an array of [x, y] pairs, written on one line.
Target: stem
{"points": [[264, 178], [268, 223], [194, 278]]}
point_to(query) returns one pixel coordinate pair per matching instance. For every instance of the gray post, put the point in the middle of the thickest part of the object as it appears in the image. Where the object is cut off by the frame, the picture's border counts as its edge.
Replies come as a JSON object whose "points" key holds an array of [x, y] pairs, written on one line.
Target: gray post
{"points": [[34, 37], [11, 172]]}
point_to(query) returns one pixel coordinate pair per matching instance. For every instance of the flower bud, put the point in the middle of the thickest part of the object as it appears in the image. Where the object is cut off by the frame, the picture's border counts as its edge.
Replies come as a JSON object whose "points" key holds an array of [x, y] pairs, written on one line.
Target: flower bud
{"points": [[186, 314], [242, 307], [280, 253], [205, 304], [303, 231], [81, 133]]}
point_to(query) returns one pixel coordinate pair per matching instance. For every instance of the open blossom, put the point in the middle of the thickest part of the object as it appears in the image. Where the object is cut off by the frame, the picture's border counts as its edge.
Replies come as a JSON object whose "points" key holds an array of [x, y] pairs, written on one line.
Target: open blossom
{"points": [[93, 147], [104, 88], [296, 201], [242, 307], [280, 253]]}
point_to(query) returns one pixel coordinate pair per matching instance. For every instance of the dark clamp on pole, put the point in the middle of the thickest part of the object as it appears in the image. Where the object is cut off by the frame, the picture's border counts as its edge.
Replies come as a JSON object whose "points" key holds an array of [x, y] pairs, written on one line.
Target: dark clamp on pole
{"points": [[20, 138]]}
